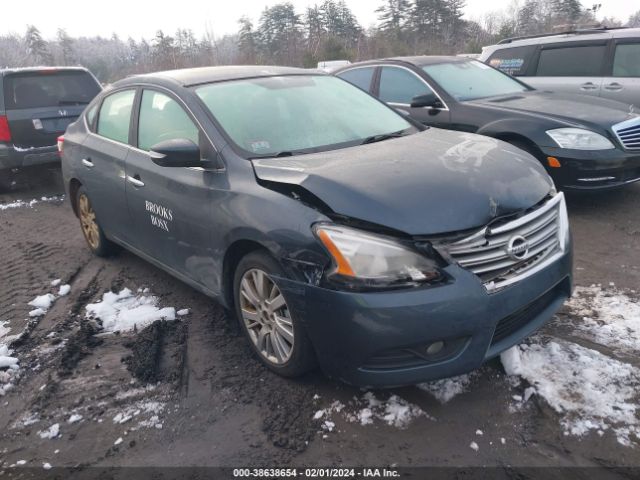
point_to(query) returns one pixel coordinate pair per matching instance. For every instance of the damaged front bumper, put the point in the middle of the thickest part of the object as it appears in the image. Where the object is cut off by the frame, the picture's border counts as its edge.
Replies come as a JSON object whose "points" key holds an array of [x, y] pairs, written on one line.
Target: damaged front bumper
{"points": [[403, 337]]}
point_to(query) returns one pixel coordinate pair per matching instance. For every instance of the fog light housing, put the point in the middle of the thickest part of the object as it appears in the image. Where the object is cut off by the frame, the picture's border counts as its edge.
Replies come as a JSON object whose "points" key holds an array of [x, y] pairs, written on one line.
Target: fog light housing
{"points": [[435, 348]]}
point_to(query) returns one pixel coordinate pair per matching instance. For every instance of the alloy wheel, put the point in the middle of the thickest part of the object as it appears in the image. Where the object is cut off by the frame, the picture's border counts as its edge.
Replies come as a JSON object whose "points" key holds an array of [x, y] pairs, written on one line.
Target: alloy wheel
{"points": [[266, 316], [88, 222]]}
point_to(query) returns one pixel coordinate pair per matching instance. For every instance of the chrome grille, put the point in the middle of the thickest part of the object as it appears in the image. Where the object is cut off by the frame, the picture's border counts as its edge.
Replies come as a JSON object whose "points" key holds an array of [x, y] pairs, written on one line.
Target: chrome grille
{"points": [[629, 133], [498, 255]]}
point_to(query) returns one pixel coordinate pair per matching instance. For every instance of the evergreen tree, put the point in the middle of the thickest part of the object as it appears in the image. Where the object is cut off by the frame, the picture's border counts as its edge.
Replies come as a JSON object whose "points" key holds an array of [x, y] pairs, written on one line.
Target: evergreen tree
{"points": [[393, 15], [247, 40], [37, 48], [66, 45]]}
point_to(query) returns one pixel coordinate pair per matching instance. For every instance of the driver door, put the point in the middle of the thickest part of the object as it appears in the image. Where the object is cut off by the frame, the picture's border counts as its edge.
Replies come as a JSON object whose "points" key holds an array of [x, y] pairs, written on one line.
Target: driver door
{"points": [[170, 206]]}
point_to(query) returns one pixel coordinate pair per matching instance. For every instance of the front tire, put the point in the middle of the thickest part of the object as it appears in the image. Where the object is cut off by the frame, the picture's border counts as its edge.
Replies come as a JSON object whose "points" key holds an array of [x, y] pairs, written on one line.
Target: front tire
{"points": [[91, 230], [276, 336]]}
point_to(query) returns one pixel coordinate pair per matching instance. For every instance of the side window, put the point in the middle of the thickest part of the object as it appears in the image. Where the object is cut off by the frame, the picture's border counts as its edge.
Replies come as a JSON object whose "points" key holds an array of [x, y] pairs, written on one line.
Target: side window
{"points": [[626, 61], [585, 61], [513, 61], [360, 77], [398, 85], [162, 118], [91, 116], [115, 116]]}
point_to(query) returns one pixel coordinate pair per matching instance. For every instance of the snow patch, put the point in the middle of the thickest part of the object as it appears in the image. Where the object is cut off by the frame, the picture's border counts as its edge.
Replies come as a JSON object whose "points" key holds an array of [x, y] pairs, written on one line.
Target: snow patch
{"points": [[52, 432], [590, 390], [447, 388], [365, 410], [609, 317], [30, 203], [125, 311], [43, 302], [64, 290], [75, 418]]}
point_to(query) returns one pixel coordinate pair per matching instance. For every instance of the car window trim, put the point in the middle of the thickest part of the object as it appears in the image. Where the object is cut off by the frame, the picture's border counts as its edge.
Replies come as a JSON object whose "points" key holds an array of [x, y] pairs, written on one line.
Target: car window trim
{"points": [[572, 44], [96, 120], [360, 67], [408, 105], [171, 94], [612, 52]]}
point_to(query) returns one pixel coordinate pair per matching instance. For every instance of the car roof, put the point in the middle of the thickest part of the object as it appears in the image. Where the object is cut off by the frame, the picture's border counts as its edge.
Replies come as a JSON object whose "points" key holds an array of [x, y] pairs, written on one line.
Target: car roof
{"points": [[196, 76], [417, 60], [10, 71], [569, 36]]}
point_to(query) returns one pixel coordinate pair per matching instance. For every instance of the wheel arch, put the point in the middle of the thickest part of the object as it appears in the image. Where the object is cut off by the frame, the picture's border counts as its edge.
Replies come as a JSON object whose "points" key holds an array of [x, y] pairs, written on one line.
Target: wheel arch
{"points": [[74, 186], [236, 251]]}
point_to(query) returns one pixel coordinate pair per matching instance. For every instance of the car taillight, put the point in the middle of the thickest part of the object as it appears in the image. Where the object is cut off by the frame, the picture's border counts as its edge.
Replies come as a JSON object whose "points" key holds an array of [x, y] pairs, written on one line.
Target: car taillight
{"points": [[5, 133], [60, 143]]}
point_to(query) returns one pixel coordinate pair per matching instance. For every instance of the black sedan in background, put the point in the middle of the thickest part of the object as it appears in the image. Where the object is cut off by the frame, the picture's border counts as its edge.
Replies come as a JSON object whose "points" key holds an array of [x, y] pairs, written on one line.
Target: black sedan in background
{"points": [[584, 142], [338, 231]]}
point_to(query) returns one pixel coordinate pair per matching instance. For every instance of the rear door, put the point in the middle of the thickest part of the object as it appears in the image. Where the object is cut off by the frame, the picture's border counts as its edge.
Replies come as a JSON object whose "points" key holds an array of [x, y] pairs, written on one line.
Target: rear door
{"points": [[101, 166], [574, 67], [399, 85], [623, 80], [41, 104], [171, 206]]}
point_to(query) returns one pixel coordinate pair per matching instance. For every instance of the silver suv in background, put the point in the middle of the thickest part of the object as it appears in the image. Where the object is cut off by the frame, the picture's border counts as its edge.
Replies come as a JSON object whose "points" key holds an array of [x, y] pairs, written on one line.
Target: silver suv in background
{"points": [[600, 62]]}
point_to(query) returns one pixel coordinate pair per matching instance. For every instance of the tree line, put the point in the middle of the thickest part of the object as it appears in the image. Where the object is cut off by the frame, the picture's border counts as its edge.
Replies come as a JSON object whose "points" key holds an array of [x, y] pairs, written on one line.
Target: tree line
{"points": [[328, 30]]}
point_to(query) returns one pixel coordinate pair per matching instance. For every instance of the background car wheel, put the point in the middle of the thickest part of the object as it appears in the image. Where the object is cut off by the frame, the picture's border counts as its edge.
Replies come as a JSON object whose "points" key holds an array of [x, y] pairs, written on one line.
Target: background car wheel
{"points": [[276, 336], [93, 234]]}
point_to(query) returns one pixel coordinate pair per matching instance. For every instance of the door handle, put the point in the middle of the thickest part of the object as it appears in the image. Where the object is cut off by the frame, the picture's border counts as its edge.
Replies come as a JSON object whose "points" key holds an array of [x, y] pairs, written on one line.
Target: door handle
{"points": [[87, 163], [136, 182], [588, 86], [615, 86]]}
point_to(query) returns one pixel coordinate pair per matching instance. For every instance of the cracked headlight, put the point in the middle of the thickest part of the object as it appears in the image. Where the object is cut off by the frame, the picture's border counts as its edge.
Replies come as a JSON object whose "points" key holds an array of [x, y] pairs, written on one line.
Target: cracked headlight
{"points": [[368, 260], [579, 139]]}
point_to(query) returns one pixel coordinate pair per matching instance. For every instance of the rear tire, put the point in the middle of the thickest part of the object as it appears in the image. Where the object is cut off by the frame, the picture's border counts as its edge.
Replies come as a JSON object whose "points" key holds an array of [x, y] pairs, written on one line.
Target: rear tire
{"points": [[91, 230], [276, 336]]}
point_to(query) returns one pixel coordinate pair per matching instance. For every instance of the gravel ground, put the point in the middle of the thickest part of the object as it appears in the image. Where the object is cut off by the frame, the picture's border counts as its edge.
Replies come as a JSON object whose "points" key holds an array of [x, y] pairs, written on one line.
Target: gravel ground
{"points": [[188, 393]]}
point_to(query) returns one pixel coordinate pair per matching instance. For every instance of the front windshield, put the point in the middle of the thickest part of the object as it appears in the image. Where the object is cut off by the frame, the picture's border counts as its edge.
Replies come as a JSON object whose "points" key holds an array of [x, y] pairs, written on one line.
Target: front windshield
{"points": [[472, 80], [289, 114]]}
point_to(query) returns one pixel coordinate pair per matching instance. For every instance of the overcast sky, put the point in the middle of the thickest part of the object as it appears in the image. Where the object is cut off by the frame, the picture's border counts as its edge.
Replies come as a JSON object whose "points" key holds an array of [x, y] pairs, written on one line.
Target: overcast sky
{"points": [[143, 18]]}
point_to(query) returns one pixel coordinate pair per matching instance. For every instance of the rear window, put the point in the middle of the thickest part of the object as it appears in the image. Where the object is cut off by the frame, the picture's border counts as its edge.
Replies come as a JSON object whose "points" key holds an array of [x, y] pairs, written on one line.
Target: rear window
{"points": [[513, 61], [585, 61], [49, 88]]}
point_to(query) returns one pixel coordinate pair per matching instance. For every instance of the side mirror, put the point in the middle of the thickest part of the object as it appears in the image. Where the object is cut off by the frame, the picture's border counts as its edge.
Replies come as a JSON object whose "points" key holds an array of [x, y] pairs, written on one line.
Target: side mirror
{"points": [[179, 152], [426, 100]]}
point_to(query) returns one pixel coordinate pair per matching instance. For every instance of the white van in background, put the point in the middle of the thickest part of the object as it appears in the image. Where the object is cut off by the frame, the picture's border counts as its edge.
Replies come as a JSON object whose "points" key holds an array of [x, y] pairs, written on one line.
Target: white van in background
{"points": [[602, 62]]}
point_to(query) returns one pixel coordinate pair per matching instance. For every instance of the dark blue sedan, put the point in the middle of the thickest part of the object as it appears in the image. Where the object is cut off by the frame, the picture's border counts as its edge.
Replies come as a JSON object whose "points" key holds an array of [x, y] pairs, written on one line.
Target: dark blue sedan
{"points": [[340, 232]]}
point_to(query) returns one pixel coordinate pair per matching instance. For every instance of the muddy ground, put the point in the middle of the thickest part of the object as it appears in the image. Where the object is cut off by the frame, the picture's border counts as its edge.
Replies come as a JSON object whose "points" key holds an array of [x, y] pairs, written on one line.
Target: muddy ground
{"points": [[196, 396]]}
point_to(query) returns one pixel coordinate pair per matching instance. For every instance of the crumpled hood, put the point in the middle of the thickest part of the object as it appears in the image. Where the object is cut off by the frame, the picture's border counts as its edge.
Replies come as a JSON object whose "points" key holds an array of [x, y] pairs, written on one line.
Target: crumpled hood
{"points": [[432, 182], [572, 109]]}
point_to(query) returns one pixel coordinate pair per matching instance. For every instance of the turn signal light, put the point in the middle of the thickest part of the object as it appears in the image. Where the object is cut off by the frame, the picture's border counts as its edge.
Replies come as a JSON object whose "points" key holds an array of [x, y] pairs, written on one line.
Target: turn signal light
{"points": [[5, 133], [343, 265], [554, 162]]}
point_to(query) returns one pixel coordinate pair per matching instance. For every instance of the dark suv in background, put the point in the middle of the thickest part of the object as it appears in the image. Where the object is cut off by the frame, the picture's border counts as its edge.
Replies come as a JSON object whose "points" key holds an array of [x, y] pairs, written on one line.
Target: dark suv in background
{"points": [[36, 106]]}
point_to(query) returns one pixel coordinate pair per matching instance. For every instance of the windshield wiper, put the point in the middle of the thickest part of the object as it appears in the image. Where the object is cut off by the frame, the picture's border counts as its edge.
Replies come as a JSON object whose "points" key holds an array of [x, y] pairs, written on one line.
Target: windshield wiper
{"points": [[383, 136], [285, 153]]}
